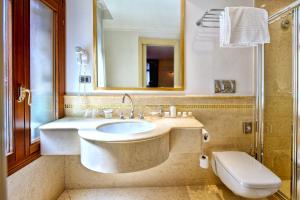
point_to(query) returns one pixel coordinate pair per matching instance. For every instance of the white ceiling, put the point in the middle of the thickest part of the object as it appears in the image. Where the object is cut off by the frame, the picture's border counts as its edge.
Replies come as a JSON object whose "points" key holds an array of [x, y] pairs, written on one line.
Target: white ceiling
{"points": [[144, 15]]}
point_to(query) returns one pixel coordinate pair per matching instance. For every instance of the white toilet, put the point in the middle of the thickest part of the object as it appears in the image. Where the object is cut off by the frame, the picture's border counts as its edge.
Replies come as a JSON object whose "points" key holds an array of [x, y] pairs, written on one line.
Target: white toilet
{"points": [[244, 175]]}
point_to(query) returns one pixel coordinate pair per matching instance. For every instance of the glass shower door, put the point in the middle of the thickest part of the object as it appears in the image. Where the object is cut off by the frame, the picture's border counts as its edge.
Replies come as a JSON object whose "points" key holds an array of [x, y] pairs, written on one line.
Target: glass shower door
{"points": [[278, 102]]}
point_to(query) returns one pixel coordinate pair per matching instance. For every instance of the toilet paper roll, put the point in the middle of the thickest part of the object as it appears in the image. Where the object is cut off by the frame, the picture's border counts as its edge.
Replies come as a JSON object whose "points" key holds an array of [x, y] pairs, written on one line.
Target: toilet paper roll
{"points": [[203, 161], [205, 136]]}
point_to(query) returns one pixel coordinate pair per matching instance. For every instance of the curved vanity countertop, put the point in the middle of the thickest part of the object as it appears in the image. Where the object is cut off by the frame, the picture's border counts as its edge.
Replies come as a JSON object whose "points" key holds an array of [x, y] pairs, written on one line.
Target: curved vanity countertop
{"points": [[87, 128]]}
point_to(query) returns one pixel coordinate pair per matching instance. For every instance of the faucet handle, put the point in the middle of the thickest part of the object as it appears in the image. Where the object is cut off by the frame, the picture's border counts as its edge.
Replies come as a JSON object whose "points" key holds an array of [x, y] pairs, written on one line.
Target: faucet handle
{"points": [[161, 111], [141, 115], [121, 115]]}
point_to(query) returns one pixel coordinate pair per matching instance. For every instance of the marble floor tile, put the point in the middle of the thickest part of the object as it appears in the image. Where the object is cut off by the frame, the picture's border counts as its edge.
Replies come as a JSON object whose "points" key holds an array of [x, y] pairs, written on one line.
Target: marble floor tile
{"points": [[286, 188], [208, 192]]}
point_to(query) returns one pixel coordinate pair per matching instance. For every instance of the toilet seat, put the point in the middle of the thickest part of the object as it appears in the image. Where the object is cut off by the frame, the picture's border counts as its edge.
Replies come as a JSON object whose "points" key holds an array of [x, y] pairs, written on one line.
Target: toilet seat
{"points": [[244, 175]]}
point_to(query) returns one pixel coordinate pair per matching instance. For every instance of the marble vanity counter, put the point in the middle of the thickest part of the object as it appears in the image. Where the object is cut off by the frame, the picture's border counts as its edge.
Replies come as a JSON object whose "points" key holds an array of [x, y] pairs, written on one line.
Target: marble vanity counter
{"points": [[87, 128], [108, 150]]}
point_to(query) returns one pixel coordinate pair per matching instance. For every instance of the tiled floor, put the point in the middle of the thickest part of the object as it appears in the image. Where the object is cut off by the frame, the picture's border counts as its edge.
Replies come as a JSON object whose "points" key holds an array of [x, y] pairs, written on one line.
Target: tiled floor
{"points": [[286, 188], [209, 192]]}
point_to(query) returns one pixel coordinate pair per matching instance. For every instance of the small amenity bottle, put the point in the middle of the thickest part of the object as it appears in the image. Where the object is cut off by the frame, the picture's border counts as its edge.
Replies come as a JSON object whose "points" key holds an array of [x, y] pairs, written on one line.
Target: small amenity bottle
{"points": [[172, 111]]}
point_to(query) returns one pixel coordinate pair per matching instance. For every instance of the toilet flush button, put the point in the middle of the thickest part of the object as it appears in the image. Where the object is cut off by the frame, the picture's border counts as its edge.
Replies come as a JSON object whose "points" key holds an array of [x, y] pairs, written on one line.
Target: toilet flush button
{"points": [[225, 86]]}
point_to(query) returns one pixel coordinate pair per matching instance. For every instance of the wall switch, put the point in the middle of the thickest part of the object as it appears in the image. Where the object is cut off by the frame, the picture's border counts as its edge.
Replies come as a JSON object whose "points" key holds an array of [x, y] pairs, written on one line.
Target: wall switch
{"points": [[225, 86], [247, 127], [85, 79]]}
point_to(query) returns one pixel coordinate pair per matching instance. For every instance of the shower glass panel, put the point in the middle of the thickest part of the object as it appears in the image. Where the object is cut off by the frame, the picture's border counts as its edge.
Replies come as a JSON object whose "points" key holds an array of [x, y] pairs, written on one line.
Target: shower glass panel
{"points": [[278, 103]]}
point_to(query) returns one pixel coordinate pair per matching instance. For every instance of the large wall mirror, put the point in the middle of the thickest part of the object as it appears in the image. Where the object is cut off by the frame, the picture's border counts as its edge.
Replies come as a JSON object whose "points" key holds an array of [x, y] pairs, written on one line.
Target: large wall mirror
{"points": [[139, 44]]}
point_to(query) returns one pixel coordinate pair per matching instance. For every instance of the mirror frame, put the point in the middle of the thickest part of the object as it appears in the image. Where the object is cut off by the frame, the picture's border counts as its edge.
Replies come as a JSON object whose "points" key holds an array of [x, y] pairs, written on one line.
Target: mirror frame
{"points": [[182, 55]]}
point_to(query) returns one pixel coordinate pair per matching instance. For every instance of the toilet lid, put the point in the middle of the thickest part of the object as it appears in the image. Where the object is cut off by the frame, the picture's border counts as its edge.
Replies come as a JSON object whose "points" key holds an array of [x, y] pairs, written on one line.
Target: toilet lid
{"points": [[246, 170]]}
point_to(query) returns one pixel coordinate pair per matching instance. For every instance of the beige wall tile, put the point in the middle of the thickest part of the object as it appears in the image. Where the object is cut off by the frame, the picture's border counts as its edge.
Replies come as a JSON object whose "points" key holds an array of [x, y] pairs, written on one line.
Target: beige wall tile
{"points": [[177, 170], [185, 141]]}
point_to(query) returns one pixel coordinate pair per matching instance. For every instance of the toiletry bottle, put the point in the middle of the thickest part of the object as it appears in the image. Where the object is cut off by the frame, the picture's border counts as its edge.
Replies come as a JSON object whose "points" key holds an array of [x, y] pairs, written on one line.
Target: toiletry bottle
{"points": [[172, 111]]}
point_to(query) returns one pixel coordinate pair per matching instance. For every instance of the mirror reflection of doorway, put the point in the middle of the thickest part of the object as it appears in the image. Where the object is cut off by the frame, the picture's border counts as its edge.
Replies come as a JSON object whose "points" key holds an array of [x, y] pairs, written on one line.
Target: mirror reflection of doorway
{"points": [[152, 73], [160, 66], [159, 63]]}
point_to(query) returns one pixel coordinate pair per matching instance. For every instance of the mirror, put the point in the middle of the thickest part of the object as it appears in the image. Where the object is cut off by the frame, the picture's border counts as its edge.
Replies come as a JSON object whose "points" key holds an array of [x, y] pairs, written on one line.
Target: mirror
{"points": [[139, 44]]}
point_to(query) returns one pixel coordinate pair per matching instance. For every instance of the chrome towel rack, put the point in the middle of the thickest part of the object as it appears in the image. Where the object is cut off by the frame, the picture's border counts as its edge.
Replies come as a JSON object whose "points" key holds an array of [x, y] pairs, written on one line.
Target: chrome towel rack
{"points": [[210, 19]]}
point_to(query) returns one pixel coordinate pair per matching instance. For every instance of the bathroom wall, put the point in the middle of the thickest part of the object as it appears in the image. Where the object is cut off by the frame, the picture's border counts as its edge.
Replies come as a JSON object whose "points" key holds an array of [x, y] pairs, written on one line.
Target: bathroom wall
{"points": [[42, 179], [278, 116], [205, 61], [79, 21]]}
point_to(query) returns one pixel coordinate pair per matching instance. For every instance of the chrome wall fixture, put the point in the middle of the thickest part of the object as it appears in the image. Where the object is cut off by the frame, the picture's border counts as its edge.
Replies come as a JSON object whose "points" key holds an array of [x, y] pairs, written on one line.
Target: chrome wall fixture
{"points": [[283, 12], [285, 23], [259, 111], [296, 92], [211, 18]]}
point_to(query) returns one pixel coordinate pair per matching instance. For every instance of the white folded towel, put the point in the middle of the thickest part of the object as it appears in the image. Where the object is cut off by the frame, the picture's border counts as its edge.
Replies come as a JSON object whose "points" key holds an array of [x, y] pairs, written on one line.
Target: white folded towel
{"points": [[244, 27]]}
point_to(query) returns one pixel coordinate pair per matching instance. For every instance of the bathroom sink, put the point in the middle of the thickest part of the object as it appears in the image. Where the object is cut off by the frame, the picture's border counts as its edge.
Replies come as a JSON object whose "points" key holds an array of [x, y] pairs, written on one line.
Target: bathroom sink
{"points": [[126, 127]]}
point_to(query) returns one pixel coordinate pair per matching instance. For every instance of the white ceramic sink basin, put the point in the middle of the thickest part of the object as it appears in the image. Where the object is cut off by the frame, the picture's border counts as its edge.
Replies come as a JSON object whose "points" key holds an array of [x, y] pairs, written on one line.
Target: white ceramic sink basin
{"points": [[126, 127]]}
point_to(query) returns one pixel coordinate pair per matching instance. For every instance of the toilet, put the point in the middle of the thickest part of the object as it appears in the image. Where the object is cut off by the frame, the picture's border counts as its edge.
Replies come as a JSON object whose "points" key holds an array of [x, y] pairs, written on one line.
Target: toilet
{"points": [[244, 175]]}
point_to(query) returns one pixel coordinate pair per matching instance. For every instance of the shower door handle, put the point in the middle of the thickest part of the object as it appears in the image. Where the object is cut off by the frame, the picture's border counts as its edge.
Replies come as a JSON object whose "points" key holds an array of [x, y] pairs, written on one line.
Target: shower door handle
{"points": [[22, 95]]}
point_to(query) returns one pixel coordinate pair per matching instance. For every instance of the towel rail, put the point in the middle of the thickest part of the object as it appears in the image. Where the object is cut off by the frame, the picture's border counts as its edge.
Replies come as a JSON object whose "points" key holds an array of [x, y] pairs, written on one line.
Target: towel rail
{"points": [[211, 17]]}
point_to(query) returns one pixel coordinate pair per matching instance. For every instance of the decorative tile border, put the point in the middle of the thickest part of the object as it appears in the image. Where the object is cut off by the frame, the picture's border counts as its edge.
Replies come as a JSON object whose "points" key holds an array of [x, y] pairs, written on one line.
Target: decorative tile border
{"points": [[195, 106], [75, 106]]}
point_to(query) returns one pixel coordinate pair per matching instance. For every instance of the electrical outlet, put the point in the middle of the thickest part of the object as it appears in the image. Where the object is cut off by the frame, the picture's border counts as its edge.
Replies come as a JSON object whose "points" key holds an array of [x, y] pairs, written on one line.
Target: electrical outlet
{"points": [[85, 79]]}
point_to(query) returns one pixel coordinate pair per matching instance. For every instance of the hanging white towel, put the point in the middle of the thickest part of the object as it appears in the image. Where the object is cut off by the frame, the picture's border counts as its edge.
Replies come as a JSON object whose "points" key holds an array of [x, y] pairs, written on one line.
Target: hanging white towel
{"points": [[244, 27]]}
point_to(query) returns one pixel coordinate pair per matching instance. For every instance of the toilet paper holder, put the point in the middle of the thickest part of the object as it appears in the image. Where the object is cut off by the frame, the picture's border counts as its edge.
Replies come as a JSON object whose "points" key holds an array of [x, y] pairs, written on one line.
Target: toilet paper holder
{"points": [[203, 159], [205, 136]]}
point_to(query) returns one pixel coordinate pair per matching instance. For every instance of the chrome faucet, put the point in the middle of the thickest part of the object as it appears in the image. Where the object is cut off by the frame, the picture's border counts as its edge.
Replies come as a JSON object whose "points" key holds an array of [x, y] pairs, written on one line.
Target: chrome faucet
{"points": [[131, 116]]}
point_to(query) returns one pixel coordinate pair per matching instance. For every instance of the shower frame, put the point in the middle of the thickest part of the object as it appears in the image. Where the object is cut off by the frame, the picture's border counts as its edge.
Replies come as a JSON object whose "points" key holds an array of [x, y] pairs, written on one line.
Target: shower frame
{"points": [[293, 9]]}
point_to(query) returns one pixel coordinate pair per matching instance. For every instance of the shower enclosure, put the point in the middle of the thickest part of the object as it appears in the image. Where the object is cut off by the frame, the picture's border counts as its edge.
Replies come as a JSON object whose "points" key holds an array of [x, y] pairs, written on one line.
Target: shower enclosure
{"points": [[277, 102]]}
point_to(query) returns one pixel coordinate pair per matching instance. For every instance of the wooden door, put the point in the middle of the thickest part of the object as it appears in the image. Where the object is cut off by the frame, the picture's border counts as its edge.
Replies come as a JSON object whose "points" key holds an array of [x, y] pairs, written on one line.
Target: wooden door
{"points": [[38, 68]]}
